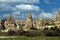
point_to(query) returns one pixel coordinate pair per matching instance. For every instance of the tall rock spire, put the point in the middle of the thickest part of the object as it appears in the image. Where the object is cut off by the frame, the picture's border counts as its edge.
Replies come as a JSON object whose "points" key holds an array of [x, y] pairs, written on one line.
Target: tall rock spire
{"points": [[58, 16], [29, 22], [29, 17], [10, 23], [40, 23], [57, 21], [10, 18]]}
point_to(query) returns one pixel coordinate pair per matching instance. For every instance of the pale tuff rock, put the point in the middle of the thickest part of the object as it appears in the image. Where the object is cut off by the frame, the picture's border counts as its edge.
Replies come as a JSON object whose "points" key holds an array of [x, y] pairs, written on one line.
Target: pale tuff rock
{"points": [[18, 27], [51, 22], [1, 24], [10, 23], [29, 23], [6, 30], [49, 26], [17, 24], [58, 16], [57, 21], [39, 24], [26, 25], [34, 23]]}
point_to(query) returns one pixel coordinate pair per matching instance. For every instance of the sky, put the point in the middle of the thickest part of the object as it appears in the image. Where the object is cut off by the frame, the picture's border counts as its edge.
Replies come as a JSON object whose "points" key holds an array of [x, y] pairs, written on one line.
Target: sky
{"points": [[19, 9]]}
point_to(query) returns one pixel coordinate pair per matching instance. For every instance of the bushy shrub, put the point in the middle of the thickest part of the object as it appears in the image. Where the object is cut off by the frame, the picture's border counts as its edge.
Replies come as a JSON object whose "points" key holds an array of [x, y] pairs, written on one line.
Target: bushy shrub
{"points": [[32, 33], [45, 28], [12, 33], [51, 33], [33, 29], [21, 32]]}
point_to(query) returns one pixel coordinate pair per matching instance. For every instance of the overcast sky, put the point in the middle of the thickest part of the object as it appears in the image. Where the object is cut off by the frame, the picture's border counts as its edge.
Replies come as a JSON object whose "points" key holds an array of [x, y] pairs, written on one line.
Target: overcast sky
{"points": [[20, 8]]}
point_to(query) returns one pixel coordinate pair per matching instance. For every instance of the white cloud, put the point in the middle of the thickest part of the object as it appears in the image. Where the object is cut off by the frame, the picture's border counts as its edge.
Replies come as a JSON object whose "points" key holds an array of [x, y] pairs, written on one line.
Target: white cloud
{"points": [[6, 15], [27, 7], [19, 15], [16, 13], [46, 15], [7, 10], [51, 14], [20, 1], [47, 1], [4, 7]]}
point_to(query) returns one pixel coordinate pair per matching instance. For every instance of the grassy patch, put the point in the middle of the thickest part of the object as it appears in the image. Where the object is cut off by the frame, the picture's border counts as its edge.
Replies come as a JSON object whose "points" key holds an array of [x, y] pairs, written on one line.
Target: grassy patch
{"points": [[32, 38]]}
